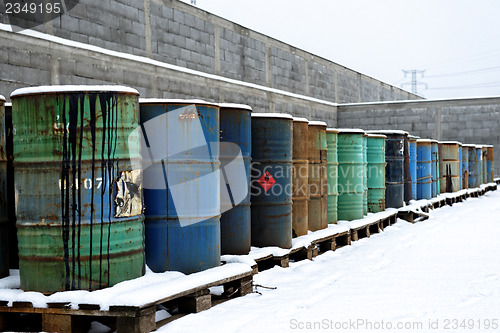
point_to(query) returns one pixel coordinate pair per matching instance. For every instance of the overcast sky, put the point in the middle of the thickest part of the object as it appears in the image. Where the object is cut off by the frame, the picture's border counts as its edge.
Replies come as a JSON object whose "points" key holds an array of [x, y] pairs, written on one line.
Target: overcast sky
{"points": [[456, 42]]}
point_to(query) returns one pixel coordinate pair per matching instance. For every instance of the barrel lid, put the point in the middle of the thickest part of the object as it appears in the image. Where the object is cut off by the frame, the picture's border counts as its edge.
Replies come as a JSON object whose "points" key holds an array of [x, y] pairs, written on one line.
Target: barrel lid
{"points": [[434, 141], [2, 98], [332, 130], [488, 146], [469, 145], [317, 123], [71, 88], [272, 115], [8, 104], [235, 106], [381, 136], [425, 140], [301, 120], [351, 130], [176, 101], [399, 132], [450, 143], [479, 146], [413, 137]]}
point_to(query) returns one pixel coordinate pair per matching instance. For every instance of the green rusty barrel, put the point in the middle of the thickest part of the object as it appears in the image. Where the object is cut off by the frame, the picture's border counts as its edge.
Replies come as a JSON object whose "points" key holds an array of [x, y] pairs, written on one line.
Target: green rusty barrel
{"points": [[365, 180], [11, 193], [4, 207], [318, 185], [78, 186], [490, 167], [332, 173], [350, 174], [300, 176], [375, 172], [449, 166]]}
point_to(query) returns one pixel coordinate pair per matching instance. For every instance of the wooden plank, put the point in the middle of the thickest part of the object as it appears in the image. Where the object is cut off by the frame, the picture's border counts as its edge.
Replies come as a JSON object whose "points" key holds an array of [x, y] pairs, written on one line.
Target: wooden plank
{"points": [[64, 323], [140, 324]]}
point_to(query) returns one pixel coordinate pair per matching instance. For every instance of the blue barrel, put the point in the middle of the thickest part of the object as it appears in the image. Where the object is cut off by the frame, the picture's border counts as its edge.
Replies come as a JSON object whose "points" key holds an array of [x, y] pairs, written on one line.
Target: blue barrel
{"points": [[394, 169], [408, 195], [235, 128], [460, 166], [182, 225], [471, 165], [479, 163], [413, 164], [465, 166], [490, 164], [271, 189], [424, 169], [435, 168]]}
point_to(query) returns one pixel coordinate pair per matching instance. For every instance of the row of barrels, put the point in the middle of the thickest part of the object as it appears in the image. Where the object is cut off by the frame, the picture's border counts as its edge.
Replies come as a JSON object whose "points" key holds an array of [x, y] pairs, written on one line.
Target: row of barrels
{"points": [[106, 183]]}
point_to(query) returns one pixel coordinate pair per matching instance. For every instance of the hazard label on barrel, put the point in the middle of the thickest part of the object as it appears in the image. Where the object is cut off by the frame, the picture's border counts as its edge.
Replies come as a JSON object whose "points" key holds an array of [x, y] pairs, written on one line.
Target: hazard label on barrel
{"points": [[266, 181]]}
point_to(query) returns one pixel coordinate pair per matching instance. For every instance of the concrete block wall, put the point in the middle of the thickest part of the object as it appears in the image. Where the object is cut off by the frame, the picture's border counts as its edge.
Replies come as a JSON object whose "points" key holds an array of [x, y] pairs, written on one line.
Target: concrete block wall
{"points": [[468, 120], [173, 32]]}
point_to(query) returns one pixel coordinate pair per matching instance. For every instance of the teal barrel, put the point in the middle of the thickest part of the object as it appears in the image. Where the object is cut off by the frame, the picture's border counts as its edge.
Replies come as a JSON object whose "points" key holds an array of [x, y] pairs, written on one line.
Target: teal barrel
{"points": [[365, 180], [465, 166], [479, 163], [412, 142], [332, 173], [4, 200], [395, 167], [271, 189], [235, 226], [424, 169], [78, 187], [180, 157], [318, 186], [300, 177], [350, 174], [375, 172], [449, 166], [490, 167], [471, 165], [460, 167], [435, 168]]}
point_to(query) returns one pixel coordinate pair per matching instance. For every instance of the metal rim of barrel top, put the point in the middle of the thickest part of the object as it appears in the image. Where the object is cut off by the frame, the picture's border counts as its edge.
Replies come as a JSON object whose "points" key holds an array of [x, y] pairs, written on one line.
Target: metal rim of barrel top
{"points": [[199, 102], [413, 137], [425, 140], [450, 143], [300, 120], [272, 115], [468, 145], [2, 98], [351, 130], [235, 106], [317, 123], [332, 130], [61, 89], [381, 136], [396, 132]]}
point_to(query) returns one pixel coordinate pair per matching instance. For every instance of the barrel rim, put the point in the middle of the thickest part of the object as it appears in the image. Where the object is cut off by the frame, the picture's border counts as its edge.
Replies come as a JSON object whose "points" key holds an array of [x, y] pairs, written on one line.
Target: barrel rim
{"points": [[399, 132], [469, 145], [174, 101], [488, 146], [380, 136], [235, 106], [61, 89], [413, 137], [8, 104], [2, 98], [272, 115], [450, 143], [479, 146], [332, 130], [317, 123], [425, 140], [351, 130], [300, 120]]}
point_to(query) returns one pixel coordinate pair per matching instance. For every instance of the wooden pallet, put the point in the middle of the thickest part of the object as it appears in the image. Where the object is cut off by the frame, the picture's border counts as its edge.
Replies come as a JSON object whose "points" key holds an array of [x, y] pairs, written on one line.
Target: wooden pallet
{"points": [[366, 230], [59, 317], [413, 216], [333, 242]]}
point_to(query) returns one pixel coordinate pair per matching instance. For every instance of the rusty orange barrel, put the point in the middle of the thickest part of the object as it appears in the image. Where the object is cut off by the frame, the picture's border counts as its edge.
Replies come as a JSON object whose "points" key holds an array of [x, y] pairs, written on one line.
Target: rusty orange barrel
{"points": [[318, 184], [490, 167], [300, 176], [449, 166]]}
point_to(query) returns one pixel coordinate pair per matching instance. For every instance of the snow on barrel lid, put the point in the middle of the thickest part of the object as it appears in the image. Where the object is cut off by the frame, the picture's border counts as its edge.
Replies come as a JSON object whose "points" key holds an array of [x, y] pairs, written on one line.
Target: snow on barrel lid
{"points": [[488, 146], [351, 130], [450, 143], [300, 120], [272, 115], [479, 146], [235, 106], [425, 140], [175, 101], [413, 137], [398, 132], [8, 104], [71, 88], [2, 98], [371, 135], [469, 145], [317, 123], [332, 130]]}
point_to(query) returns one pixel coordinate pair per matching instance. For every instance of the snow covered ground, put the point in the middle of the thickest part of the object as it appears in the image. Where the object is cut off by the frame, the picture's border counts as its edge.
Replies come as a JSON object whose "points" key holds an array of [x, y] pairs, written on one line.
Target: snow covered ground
{"points": [[440, 275]]}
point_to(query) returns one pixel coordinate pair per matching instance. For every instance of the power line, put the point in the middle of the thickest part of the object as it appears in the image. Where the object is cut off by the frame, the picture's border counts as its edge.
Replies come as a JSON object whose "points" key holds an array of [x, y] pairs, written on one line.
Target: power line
{"points": [[470, 86], [480, 70]]}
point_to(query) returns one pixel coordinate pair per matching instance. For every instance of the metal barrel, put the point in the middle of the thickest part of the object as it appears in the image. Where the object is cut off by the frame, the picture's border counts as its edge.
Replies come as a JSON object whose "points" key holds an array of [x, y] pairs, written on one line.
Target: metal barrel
{"points": [[479, 163], [318, 184], [4, 207], [490, 164], [272, 135], [394, 169], [424, 169], [460, 165], [332, 173], [300, 177], [435, 168], [471, 165], [180, 159], [78, 187], [375, 153], [11, 196], [235, 225], [350, 174], [465, 167], [407, 172], [484, 161], [365, 180], [449, 166], [413, 164]]}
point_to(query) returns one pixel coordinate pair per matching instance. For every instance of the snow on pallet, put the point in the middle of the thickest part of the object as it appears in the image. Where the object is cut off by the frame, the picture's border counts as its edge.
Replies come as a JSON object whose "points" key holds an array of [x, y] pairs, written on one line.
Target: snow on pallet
{"points": [[371, 224], [496, 181], [129, 306]]}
